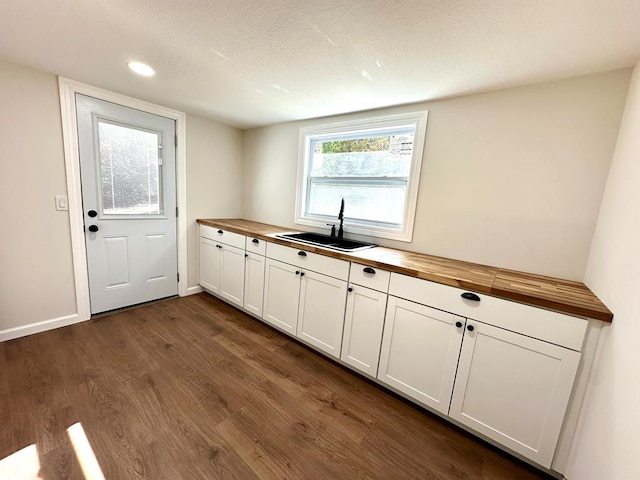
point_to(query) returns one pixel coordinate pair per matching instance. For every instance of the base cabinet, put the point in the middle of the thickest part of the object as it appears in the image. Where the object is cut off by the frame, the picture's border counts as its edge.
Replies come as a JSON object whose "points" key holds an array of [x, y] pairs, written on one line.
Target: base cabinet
{"points": [[513, 389], [281, 294], [232, 274], [363, 324], [420, 349], [209, 276], [254, 283]]}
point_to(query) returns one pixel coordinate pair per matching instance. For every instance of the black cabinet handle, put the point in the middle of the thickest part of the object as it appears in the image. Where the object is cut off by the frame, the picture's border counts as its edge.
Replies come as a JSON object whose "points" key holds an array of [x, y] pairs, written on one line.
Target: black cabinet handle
{"points": [[220, 232], [218, 246], [302, 254], [92, 213], [369, 270], [471, 328], [470, 296], [458, 324], [246, 255], [350, 289], [93, 228], [297, 272], [255, 240], [302, 274]]}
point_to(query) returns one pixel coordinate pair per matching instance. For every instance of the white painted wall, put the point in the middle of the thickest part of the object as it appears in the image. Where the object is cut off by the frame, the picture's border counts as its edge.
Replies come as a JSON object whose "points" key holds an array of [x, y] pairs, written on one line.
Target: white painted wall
{"points": [[214, 179], [607, 445], [36, 274], [511, 178]]}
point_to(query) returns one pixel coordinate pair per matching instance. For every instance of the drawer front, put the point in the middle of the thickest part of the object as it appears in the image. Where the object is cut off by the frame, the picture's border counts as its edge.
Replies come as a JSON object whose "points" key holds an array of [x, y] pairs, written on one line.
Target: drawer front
{"points": [[223, 236], [534, 322], [256, 245], [311, 261], [378, 280]]}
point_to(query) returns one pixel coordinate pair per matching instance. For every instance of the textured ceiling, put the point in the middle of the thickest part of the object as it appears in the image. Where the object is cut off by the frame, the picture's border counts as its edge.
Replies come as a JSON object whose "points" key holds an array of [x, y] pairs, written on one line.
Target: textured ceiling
{"points": [[250, 63]]}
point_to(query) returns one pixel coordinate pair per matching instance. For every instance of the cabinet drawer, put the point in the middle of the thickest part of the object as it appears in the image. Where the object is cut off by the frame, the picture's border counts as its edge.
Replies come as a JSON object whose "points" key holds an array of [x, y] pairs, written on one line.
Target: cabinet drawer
{"points": [[379, 280], [312, 261], [256, 245], [534, 322], [223, 236]]}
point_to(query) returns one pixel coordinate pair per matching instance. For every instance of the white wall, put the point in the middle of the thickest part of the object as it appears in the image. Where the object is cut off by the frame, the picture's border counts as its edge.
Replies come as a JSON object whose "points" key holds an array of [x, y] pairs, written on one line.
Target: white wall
{"points": [[608, 442], [511, 178], [214, 179], [36, 273]]}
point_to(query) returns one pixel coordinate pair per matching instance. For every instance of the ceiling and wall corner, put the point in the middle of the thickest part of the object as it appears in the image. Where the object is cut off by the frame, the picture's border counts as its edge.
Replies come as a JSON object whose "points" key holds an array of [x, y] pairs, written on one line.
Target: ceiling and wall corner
{"points": [[607, 442], [255, 63]]}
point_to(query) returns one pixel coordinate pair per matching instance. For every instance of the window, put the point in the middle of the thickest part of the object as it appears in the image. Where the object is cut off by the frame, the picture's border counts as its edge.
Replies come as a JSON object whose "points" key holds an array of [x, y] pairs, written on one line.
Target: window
{"points": [[373, 164]]}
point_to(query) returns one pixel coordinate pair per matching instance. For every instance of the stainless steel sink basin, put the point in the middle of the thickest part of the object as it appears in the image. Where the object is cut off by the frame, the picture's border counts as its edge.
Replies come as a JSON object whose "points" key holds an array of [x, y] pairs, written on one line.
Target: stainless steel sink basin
{"points": [[327, 241]]}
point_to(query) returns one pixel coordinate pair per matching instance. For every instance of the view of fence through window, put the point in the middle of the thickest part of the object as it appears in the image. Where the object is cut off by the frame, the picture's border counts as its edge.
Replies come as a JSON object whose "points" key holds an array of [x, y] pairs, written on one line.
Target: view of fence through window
{"points": [[369, 171], [129, 170]]}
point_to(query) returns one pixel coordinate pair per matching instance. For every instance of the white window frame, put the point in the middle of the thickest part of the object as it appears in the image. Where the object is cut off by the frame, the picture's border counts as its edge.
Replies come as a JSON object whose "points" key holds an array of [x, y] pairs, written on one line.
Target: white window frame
{"points": [[405, 234]]}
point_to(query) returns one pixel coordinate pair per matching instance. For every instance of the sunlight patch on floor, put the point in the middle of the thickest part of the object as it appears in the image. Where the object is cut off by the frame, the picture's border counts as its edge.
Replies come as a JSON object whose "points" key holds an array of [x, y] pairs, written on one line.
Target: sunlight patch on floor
{"points": [[21, 465], [87, 459]]}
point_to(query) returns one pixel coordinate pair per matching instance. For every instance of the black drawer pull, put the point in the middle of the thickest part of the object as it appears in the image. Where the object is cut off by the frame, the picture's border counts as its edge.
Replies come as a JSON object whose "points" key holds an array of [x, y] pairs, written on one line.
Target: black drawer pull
{"points": [[302, 254], [470, 296], [369, 270], [255, 240], [220, 232]]}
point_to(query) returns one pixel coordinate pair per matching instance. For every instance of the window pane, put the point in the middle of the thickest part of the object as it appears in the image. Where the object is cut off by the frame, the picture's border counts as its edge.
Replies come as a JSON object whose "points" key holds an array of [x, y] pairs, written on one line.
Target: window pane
{"points": [[129, 170], [368, 156], [373, 202]]}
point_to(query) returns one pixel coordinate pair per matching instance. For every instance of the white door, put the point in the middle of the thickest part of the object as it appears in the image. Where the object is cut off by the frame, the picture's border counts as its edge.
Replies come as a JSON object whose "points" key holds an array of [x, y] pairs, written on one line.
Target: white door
{"points": [[514, 389], [281, 293], [363, 323], [420, 348], [127, 164], [232, 274], [321, 311], [253, 283]]}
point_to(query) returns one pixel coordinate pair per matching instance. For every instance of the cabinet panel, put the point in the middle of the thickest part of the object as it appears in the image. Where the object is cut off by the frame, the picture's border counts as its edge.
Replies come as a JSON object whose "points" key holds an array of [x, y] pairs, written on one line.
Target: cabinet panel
{"points": [[420, 348], [209, 276], [321, 312], [281, 293], [232, 274], [379, 280], [514, 389], [254, 283], [256, 245], [309, 261], [363, 323], [223, 236]]}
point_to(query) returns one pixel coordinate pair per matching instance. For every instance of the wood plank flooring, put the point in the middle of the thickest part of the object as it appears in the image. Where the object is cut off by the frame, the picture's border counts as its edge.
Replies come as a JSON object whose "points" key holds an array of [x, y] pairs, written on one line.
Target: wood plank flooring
{"points": [[191, 388]]}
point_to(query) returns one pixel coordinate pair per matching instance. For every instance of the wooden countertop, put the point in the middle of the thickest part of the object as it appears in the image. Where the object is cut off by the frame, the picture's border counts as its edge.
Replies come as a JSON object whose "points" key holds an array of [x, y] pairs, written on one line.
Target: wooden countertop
{"points": [[563, 296]]}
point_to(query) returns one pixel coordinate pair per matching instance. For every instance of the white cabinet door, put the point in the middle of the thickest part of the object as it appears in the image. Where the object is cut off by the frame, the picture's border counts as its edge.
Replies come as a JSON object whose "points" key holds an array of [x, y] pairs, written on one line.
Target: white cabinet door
{"points": [[281, 293], [420, 348], [514, 389], [321, 311], [253, 283], [232, 274], [209, 265], [363, 323]]}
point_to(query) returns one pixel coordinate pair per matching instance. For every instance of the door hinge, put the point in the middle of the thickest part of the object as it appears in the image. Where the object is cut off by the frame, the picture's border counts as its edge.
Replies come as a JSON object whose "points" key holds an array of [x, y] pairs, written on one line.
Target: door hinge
{"points": [[178, 275], [175, 140], [176, 211]]}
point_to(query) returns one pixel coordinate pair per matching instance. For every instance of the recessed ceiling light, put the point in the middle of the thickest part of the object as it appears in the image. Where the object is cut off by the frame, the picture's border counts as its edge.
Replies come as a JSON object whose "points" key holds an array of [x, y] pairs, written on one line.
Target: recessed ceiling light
{"points": [[141, 69]]}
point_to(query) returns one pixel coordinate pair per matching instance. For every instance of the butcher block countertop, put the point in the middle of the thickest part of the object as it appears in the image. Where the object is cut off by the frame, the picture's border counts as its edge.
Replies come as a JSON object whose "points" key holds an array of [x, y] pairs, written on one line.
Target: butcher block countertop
{"points": [[564, 296]]}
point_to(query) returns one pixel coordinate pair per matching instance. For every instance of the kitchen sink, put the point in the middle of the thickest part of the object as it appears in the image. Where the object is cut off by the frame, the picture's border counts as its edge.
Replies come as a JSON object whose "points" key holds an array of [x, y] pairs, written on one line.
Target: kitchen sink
{"points": [[327, 241]]}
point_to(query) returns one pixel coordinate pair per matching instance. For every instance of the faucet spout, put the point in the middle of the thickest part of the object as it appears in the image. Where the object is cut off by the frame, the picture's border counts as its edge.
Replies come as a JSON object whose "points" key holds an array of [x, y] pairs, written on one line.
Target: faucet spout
{"points": [[341, 218]]}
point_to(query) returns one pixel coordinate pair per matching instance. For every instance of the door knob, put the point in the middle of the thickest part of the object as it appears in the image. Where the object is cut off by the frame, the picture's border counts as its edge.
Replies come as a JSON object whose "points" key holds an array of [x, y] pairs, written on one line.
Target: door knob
{"points": [[92, 213], [93, 228]]}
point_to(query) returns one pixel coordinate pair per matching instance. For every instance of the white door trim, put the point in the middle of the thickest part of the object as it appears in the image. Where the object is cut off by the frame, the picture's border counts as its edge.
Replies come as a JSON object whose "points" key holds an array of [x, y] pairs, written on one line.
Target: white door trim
{"points": [[68, 88]]}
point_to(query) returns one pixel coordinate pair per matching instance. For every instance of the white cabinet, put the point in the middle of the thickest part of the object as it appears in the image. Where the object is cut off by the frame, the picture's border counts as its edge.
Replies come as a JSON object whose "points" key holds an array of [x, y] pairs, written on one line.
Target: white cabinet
{"points": [[222, 263], [232, 274], [420, 349], [321, 311], [253, 283], [281, 295], [364, 317], [513, 389], [209, 276]]}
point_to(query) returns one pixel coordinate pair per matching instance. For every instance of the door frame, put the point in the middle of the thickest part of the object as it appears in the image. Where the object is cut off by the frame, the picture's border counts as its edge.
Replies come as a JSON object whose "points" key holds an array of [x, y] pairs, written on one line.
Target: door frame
{"points": [[68, 89]]}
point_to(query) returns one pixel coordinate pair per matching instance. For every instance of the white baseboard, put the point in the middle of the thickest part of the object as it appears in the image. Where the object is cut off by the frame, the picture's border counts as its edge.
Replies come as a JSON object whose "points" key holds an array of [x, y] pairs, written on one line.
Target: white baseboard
{"points": [[194, 290], [38, 327]]}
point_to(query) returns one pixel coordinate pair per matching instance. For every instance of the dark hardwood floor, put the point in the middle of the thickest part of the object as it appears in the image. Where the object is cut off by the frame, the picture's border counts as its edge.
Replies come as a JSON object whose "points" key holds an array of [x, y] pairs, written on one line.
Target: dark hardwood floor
{"points": [[191, 388]]}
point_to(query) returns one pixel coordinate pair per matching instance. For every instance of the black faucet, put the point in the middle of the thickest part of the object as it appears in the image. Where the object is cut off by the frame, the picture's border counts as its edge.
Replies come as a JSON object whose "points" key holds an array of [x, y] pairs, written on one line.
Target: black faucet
{"points": [[333, 229], [341, 218]]}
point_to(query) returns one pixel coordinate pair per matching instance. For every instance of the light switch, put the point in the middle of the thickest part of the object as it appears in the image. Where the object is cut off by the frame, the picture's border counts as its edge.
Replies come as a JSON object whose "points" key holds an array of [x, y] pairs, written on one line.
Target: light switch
{"points": [[61, 202]]}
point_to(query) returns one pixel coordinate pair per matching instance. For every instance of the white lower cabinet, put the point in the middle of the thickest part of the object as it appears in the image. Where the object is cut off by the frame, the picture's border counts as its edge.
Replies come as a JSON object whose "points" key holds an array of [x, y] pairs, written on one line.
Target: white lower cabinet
{"points": [[281, 295], [232, 274], [513, 389], [222, 264], [209, 275], [254, 283], [363, 324], [321, 311], [420, 349]]}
